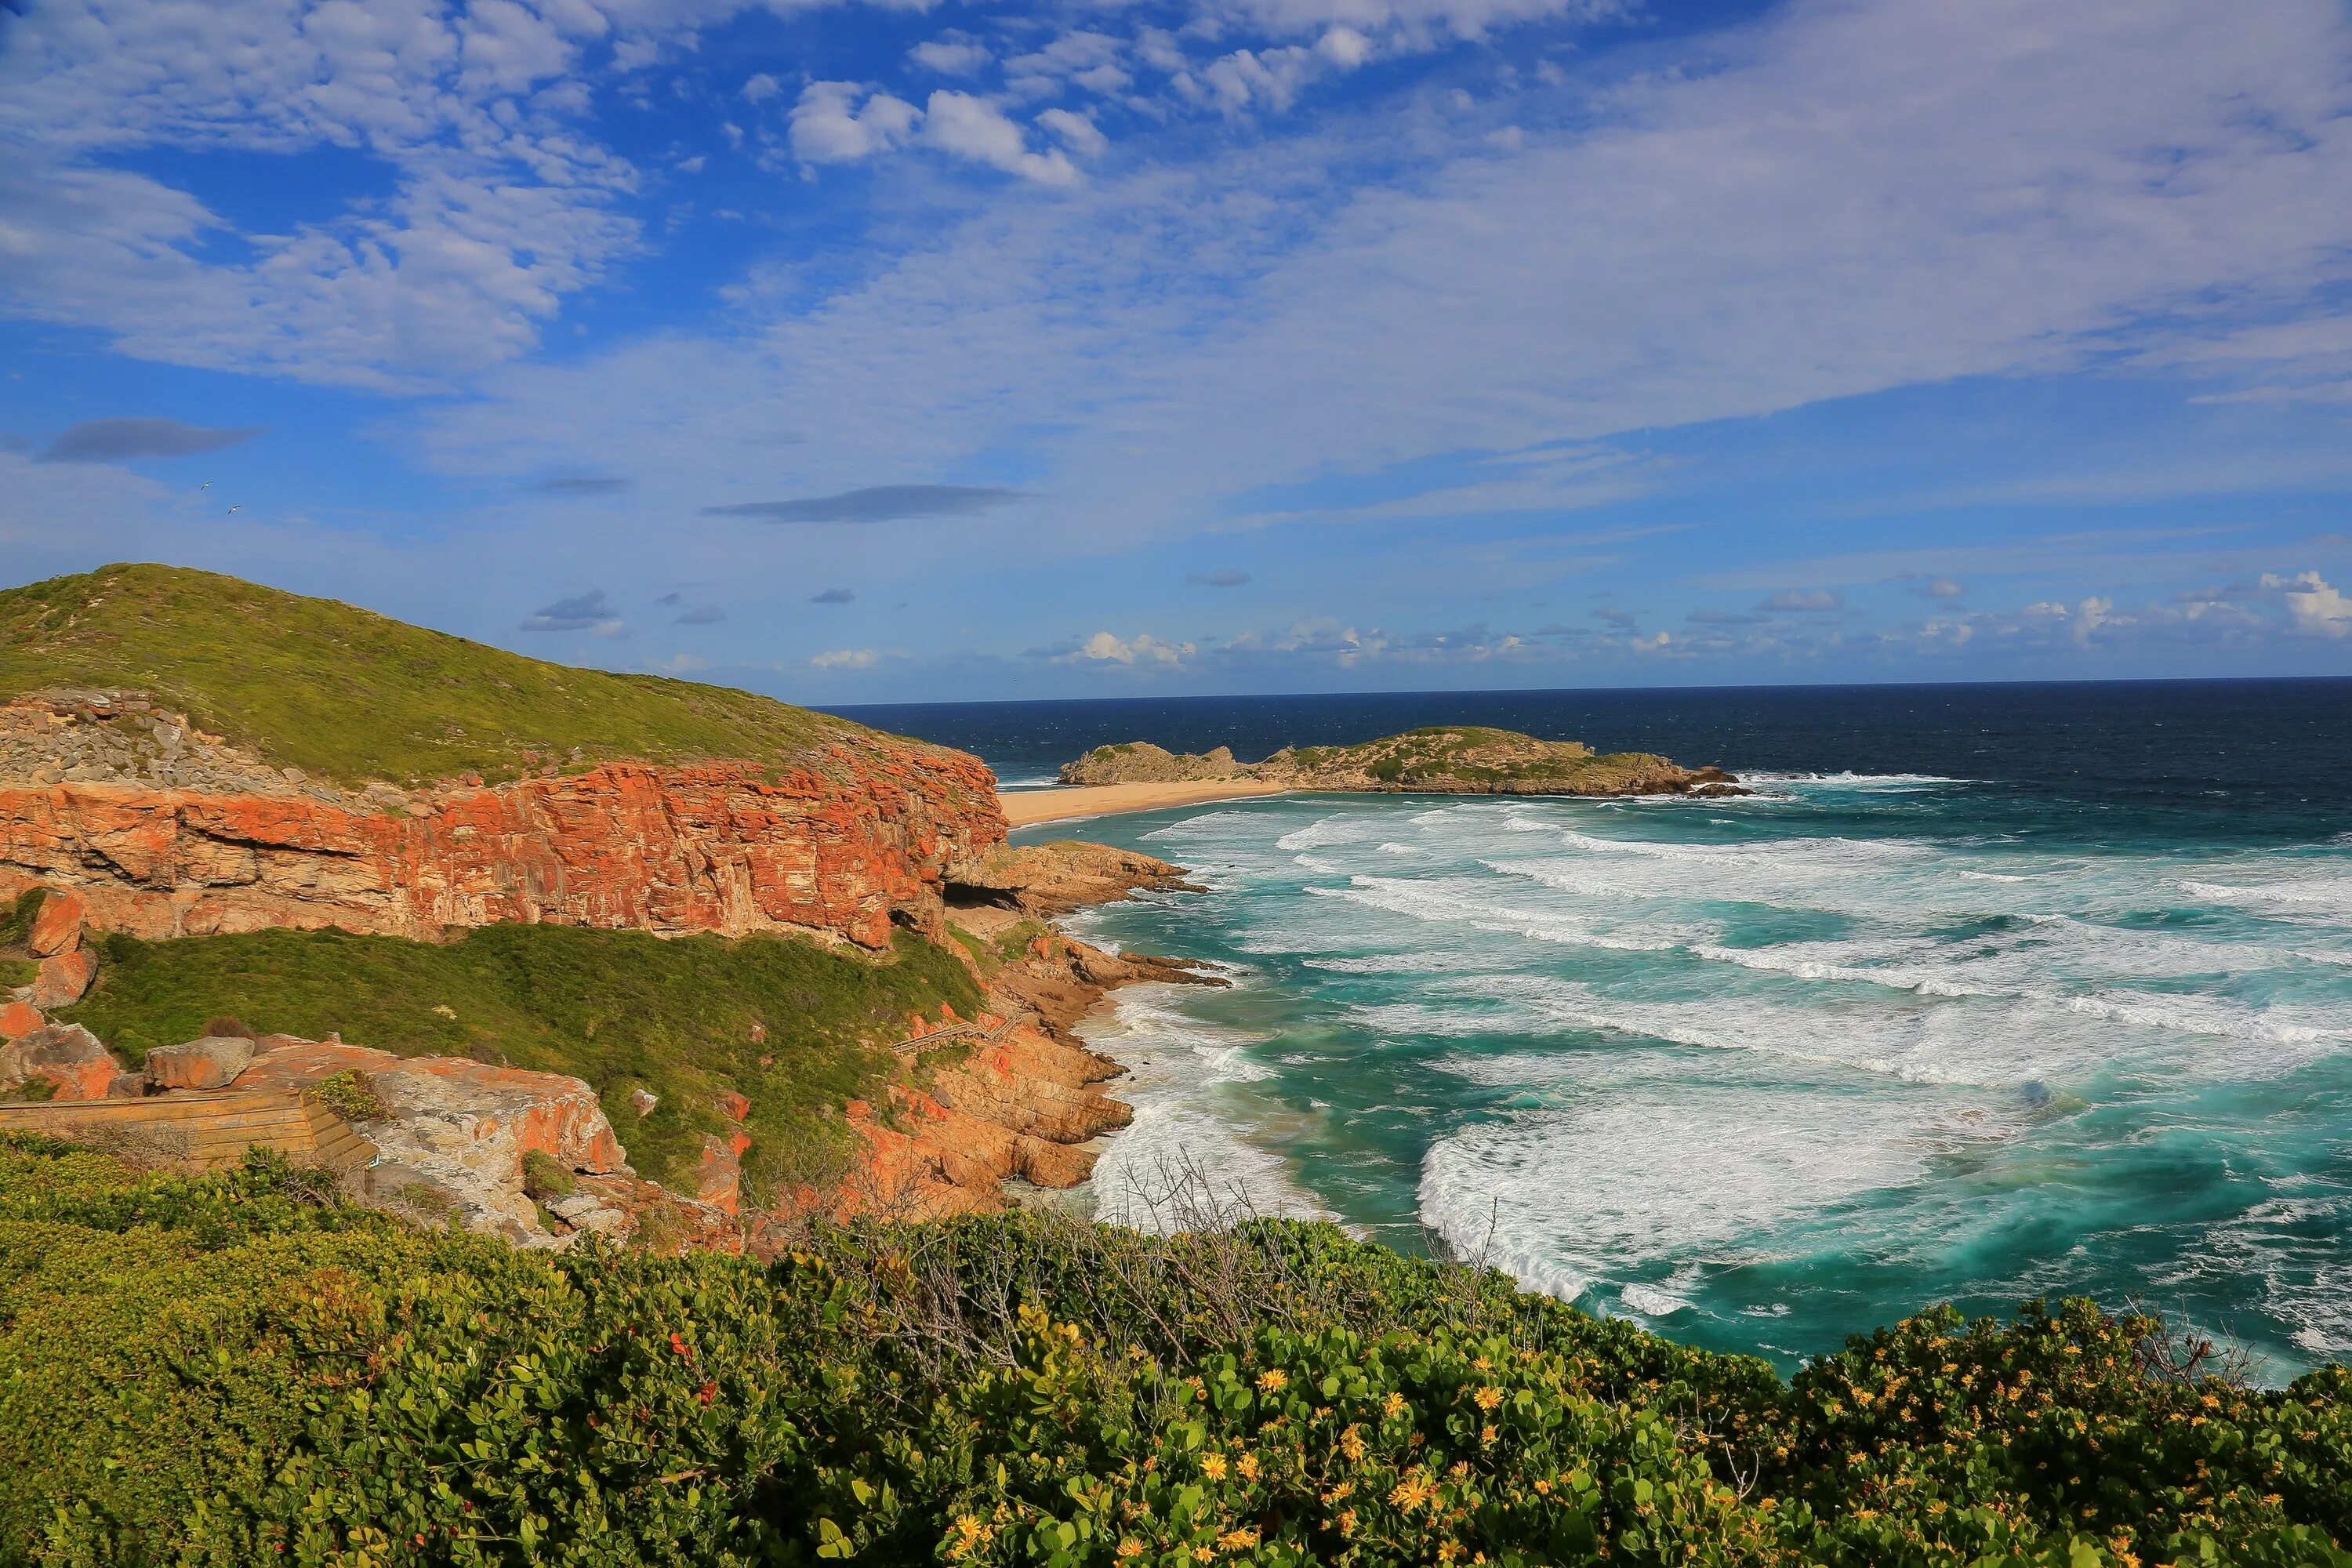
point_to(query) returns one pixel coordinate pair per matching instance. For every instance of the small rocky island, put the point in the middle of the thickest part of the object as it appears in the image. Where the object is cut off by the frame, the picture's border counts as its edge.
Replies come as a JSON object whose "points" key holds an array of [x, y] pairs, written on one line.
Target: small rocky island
{"points": [[1448, 759]]}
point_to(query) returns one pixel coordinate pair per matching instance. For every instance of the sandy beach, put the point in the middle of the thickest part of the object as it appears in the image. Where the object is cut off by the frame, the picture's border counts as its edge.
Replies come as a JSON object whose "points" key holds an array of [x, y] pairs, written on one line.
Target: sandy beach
{"points": [[1024, 807]]}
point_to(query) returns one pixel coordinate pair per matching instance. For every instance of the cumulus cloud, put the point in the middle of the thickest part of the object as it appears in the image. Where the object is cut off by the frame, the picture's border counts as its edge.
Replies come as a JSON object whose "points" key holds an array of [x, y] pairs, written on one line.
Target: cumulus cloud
{"points": [[1142, 650], [963, 126], [1803, 601], [875, 503], [953, 54], [2319, 609], [1074, 132], [1225, 577], [841, 121], [582, 613], [833, 596], [123, 440], [846, 659]]}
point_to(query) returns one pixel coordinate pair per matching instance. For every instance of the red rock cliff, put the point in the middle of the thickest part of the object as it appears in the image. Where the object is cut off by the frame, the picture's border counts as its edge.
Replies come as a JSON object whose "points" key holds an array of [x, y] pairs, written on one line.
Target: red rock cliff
{"points": [[842, 845]]}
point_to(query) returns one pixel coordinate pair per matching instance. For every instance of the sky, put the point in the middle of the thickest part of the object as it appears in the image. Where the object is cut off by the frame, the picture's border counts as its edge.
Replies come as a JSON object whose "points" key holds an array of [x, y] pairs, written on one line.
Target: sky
{"points": [[933, 350]]}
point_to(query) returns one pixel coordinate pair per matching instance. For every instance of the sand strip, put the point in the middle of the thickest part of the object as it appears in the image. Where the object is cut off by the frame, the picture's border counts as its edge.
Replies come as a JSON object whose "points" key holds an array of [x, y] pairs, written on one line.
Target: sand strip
{"points": [[1024, 806]]}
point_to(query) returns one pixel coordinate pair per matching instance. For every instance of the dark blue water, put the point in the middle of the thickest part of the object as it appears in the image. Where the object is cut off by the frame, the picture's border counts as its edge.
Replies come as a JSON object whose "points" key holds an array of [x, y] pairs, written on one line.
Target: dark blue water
{"points": [[1989, 993]]}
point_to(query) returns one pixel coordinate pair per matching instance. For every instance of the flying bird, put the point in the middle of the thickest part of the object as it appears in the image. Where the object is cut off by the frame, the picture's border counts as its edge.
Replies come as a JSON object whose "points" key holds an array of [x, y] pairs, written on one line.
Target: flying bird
{"points": [[205, 486], [234, 510]]}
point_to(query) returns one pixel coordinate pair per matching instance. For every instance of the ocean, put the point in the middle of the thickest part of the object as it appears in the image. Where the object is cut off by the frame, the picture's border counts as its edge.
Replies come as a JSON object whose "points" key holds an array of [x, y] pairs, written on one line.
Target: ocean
{"points": [[1988, 993]]}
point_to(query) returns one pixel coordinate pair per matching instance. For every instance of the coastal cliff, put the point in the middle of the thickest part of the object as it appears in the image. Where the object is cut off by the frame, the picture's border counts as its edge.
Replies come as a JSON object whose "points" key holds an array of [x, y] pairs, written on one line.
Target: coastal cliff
{"points": [[1441, 760], [857, 836]]}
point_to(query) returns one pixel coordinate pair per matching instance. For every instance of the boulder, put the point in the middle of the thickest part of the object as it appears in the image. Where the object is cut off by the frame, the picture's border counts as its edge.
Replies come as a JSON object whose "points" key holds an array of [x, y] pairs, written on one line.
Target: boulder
{"points": [[718, 1176], [63, 979], [212, 1062], [68, 1056], [56, 928], [19, 1018]]}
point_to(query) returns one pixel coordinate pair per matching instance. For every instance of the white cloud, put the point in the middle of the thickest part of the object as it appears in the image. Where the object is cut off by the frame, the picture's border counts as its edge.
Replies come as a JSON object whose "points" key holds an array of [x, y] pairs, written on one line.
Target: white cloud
{"points": [[1140, 649], [829, 126], [954, 55], [1074, 132], [846, 659], [2319, 609], [963, 126]]}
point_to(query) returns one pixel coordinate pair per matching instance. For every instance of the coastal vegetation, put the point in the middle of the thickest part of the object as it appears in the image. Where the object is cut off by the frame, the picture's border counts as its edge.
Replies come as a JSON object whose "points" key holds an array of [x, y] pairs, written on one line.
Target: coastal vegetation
{"points": [[240, 1368], [796, 1026], [354, 697], [1457, 759]]}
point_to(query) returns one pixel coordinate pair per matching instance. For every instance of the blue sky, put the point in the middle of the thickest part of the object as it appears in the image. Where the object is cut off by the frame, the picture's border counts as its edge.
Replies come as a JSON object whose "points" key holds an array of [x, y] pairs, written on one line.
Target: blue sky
{"points": [[926, 350]]}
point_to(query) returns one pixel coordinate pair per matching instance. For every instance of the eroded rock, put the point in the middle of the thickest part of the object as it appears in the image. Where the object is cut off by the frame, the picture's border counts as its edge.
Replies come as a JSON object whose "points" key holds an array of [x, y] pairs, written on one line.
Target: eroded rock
{"points": [[76, 1065], [213, 1062]]}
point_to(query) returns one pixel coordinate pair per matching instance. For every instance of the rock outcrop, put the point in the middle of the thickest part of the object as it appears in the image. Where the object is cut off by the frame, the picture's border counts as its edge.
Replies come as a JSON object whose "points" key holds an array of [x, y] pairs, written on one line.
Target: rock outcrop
{"points": [[861, 836], [1441, 759], [69, 1060], [455, 1132], [213, 1062], [1045, 880]]}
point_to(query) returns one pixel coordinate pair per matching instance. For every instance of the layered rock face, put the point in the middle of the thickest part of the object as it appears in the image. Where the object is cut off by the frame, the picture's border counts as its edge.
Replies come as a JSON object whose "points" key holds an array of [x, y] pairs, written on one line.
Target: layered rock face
{"points": [[839, 846]]}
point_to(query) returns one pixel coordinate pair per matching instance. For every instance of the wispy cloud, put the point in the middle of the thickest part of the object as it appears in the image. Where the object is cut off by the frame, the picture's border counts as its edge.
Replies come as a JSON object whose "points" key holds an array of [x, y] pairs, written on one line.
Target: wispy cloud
{"points": [[875, 503], [123, 440], [581, 612]]}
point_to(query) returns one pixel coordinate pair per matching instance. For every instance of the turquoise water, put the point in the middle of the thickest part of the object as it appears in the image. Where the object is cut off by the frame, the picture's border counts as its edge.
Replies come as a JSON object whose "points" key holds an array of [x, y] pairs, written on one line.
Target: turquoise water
{"points": [[1764, 1072]]}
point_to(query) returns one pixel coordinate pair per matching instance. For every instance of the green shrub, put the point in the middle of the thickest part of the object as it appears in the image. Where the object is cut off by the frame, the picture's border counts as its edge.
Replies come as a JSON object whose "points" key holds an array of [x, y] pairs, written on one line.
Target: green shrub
{"points": [[240, 1368], [349, 1095], [543, 1176]]}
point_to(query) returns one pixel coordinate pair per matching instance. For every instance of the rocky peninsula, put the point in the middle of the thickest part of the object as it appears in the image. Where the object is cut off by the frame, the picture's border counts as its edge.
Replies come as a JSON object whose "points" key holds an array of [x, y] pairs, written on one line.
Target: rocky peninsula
{"points": [[1459, 758]]}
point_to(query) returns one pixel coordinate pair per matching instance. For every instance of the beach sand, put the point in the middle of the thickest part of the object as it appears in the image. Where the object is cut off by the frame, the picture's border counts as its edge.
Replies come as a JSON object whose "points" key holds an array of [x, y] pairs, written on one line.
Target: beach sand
{"points": [[1023, 807]]}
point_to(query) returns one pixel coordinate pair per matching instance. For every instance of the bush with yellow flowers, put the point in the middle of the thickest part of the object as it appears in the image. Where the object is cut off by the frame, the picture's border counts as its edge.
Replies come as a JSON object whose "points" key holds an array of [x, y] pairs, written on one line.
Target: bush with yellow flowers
{"points": [[242, 1369]]}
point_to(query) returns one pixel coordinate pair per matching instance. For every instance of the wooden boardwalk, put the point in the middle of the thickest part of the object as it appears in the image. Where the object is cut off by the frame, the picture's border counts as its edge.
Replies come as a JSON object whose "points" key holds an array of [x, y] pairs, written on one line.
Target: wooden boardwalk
{"points": [[948, 1033], [199, 1130]]}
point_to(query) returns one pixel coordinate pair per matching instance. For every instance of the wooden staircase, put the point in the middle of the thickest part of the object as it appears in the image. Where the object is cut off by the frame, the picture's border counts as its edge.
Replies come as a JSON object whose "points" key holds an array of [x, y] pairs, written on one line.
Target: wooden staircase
{"points": [[198, 1129]]}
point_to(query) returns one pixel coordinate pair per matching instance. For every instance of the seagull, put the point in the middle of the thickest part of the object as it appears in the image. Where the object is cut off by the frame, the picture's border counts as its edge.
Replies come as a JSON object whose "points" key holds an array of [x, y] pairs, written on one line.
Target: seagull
{"points": [[205, 486], [233, 511]]}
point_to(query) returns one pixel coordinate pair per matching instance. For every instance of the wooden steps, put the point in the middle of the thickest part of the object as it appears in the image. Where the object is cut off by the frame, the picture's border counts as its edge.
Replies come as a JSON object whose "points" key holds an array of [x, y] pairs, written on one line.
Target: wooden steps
{"points": [[200, 1130]]}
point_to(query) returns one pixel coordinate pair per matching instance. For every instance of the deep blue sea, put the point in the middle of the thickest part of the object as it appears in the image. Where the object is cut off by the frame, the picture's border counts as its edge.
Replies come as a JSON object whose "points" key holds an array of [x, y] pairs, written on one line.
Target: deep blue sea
{"points": [[1989, 993]]}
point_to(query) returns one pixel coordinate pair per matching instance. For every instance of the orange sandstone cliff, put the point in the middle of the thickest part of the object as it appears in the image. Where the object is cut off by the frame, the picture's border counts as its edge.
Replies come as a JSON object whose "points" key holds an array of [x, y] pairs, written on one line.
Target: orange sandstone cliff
{"points": [[859, 835]]}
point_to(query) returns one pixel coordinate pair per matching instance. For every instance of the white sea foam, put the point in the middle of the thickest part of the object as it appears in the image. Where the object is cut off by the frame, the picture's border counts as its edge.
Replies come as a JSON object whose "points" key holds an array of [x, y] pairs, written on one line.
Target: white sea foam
{"points": [[1188, 1082], [1326, 830], [1445, 903], [1671, 1172]]}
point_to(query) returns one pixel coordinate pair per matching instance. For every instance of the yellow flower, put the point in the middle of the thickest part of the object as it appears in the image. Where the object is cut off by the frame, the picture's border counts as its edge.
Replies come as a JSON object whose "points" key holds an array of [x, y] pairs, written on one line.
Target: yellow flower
{"points": [[1351, 1442], [1411, 1493], [1274, 1380], [1247, 1465], [1348, 1522], [1204, 1553], [1213, 1466], [1393, 1406], [1237, 1540], [1130, 1547], [1488, 1398], [1485, 1434], [1447, 1552]]}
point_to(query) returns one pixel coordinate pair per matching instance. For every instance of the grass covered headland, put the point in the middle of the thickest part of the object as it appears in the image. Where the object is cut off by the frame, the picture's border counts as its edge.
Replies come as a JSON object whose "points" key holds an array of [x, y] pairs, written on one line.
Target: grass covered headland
{"points": [[237, 1369], [796, 1026], [352, 696]]}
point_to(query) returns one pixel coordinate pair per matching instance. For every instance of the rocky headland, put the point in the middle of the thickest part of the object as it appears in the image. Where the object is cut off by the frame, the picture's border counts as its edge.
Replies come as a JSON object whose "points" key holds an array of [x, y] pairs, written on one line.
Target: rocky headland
{"points": [[1440, 760], [190, 759]]}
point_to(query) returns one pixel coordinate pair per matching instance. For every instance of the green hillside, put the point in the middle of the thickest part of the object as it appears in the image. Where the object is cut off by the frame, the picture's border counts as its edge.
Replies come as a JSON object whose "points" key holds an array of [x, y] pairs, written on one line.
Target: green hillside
{"points": [[623, 1010], [352, 696]]}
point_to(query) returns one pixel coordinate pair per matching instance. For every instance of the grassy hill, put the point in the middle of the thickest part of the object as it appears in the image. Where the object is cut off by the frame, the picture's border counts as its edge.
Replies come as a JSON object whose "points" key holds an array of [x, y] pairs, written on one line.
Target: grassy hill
{"points": [[352, 696], [622, 1010]]}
